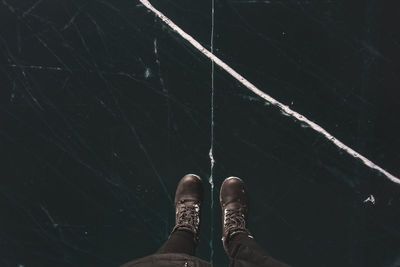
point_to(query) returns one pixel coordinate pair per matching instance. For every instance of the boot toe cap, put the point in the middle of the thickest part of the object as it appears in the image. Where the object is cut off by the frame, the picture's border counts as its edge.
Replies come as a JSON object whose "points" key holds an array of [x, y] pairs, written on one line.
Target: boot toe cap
{"points": [[190, 188], [233, 190]]}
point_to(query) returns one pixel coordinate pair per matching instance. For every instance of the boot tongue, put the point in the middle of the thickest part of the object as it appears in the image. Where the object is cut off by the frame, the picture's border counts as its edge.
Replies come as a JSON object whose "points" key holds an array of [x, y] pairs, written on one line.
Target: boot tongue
{"points": [[187, 200], [234, 206]]}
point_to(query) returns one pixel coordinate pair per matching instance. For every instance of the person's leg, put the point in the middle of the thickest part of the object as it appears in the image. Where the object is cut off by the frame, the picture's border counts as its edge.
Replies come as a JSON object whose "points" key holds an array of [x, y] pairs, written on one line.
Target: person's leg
{"points": [[243, 250], [185, 235], [238, 243], [179, 242]]}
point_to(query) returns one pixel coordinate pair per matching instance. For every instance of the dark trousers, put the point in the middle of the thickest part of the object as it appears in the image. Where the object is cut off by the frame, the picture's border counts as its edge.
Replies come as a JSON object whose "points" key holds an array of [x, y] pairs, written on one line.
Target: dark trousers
{"points": [[242, 250]]}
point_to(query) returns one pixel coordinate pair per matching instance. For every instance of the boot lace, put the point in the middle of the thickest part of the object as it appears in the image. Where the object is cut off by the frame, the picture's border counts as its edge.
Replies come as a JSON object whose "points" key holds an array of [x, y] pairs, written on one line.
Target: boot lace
{"points": [[188, 217], [234, 220]]}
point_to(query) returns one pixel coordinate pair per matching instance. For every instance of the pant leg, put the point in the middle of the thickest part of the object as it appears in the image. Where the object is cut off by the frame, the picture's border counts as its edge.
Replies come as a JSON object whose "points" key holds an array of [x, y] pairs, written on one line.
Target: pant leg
{"points": [[179, 242], [244, 251]]}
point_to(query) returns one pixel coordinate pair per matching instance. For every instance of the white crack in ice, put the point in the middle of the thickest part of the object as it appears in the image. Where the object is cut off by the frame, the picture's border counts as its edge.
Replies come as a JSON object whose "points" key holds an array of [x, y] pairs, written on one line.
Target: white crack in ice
{"points": [[284, 108]]}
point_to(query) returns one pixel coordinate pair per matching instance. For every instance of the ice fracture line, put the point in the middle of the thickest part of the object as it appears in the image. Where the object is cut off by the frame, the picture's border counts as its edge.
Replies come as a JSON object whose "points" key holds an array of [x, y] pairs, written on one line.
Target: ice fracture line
{"points": [[211, 154], [285, 109]]}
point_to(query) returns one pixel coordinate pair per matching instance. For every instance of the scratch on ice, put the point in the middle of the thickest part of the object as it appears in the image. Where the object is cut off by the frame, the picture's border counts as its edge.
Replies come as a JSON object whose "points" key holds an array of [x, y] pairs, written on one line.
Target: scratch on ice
{"points": [[371, 199]]}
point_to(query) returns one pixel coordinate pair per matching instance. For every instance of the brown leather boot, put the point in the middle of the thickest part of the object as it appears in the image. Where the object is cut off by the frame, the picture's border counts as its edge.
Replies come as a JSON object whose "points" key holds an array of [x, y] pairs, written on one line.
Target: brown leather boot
{"points": [[188, 198], [234, 204]]}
